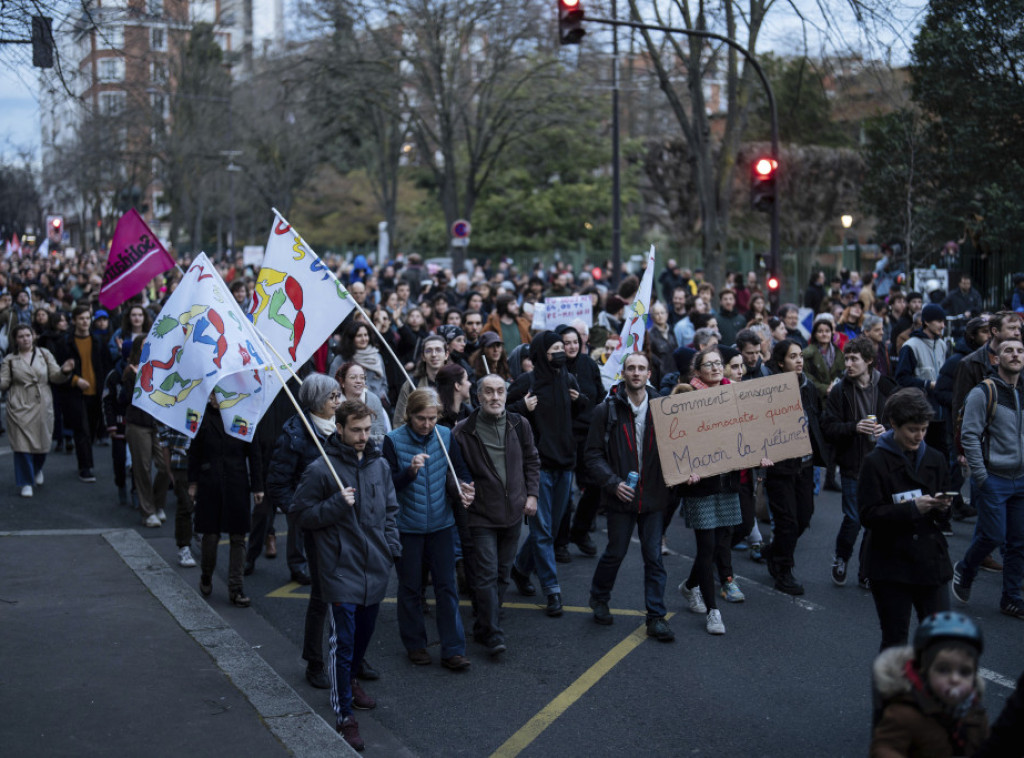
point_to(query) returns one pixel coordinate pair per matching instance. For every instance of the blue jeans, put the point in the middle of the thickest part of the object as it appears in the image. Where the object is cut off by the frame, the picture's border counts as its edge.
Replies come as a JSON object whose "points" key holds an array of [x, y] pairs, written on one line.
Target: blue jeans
{"points": [[351, 629], [437, 551], [1000, 504], [538, 551], [26, 466], [850, 528], [650, 527]]}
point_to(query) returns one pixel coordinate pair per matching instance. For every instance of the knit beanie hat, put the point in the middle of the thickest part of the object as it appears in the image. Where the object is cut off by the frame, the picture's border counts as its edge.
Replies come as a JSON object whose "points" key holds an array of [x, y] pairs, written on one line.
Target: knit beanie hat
{"points": [[932, 312]]}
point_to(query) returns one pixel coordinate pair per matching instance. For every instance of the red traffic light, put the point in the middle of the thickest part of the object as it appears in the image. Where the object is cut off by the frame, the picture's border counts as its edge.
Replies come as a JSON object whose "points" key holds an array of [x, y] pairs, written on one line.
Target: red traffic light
{"points": [[570, 22], [773, 283], [765, 166], [55, 223]]}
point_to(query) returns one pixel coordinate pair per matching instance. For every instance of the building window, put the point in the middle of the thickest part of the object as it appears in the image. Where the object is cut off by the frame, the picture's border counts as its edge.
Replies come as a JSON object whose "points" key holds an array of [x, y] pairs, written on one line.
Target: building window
{"points": [[158, 72], [155, 7], [111, 103], [158, 104], [157, 39], [110, 38], [110, 69]]}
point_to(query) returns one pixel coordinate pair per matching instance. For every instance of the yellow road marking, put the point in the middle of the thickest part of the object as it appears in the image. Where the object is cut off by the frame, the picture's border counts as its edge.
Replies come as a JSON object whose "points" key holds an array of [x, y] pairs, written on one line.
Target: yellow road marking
{"points": [[294, 591], [519, 741]]}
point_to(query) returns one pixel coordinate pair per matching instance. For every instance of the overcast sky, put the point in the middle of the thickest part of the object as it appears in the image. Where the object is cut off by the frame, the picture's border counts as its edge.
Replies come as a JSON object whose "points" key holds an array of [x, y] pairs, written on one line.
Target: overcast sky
{"points": [[782, 33]]}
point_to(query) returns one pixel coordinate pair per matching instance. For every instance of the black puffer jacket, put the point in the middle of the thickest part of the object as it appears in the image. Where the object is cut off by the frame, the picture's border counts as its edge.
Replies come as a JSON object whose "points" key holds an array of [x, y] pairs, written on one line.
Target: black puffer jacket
{"points": [[839, 423], [355, 545], [293, 452], [608, 463], [902, 544]]}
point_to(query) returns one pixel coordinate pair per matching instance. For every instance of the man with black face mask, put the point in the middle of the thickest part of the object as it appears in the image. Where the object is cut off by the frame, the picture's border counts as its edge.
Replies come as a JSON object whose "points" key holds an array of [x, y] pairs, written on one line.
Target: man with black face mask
{"points": [[550, 398]]}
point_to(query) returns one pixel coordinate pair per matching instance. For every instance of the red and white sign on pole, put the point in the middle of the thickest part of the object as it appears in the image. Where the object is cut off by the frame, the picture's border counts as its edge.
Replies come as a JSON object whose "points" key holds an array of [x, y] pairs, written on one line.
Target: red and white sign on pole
{"points": [[460, 232]]}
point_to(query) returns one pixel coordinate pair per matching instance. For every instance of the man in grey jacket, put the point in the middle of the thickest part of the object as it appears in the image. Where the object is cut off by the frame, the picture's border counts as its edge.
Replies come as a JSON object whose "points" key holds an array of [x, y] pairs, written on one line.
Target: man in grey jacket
{"points": [[992, 434], [356, 538]]}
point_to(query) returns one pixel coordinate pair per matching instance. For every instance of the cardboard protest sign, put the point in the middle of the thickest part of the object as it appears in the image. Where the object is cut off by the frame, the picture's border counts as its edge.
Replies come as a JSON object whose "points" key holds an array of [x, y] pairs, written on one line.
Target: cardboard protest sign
{"points": [[730, 427], [562, 310]]}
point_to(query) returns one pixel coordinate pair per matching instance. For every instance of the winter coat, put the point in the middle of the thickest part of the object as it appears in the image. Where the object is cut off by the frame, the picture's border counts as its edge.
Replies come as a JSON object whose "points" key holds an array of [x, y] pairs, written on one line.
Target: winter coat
{"points": [[423, 502], [819, 372], [588, 379], [496, 506], [730, 323], [957, 303], [974, 367], [293, 452], [996, 447], [29, 399], [1008, 730], [117, 397], [839, 422], [610, 460], [493, 324], [914, 724], [662, 347], [811, 403], [902, 544], [226, 470], [921, 358], [947, 377], [356, 545]]}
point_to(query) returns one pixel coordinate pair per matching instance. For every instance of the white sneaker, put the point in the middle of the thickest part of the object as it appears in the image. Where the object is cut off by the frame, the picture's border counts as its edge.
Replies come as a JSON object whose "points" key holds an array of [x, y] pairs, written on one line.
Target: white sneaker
{"points": [[161, 515], [695, 597], [715, 625], [153, 521], [185, 559], [39, 478], [26, 491]]}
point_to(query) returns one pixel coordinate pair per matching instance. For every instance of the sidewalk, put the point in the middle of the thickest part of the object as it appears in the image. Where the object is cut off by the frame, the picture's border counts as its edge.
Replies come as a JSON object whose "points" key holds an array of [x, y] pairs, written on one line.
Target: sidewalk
{"points": [[107, 650]]}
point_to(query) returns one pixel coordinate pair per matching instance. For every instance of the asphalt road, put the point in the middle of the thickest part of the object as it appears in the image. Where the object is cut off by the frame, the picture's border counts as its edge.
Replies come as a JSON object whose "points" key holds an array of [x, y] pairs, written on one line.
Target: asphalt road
{"points": [[789, 678]]}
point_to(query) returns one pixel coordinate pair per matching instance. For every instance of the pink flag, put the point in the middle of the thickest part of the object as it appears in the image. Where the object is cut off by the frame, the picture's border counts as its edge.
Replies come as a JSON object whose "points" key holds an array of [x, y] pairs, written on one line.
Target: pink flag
{"points": [[136, 256]]}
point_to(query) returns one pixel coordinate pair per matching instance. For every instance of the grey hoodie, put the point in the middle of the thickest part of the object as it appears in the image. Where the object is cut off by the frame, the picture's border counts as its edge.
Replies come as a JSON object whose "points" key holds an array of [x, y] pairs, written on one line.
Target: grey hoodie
{"points": [[997, 448]]}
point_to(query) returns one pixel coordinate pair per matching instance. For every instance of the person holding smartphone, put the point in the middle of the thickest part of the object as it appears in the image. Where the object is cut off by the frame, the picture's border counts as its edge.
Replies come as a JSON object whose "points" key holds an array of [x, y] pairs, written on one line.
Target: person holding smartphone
{"points": [[902, 498]]}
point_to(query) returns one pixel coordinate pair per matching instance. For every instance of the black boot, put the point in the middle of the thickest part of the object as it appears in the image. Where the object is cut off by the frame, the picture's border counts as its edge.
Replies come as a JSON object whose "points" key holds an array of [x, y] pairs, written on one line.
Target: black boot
{"points": [[523, 583], [786, 582], [554, 606]]}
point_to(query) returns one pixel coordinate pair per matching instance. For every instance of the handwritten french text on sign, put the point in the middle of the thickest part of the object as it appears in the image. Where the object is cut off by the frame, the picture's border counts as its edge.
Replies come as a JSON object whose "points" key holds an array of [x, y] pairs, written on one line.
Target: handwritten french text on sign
{"points": [[562, 310], [730, 427]]}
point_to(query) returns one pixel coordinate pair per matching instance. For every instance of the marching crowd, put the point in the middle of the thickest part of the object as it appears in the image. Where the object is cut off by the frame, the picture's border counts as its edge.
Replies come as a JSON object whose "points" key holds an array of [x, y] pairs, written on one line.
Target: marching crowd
{"points": [[505, 429]]}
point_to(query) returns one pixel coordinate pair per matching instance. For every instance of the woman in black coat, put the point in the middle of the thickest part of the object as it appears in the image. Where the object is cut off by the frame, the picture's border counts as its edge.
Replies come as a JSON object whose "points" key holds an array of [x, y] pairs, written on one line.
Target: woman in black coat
{"points": [[790, 483], [222, 471], [899, 496]]}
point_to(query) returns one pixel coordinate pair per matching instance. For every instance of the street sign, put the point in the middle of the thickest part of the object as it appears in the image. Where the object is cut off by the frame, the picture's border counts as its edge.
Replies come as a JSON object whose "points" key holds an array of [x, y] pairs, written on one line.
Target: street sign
{"points": [[460, 241], [461, 229]]}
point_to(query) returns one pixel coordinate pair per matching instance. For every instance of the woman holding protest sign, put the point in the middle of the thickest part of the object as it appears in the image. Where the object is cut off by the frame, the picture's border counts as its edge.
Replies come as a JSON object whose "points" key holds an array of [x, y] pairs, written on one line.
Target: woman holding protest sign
{"points": [[711, 507], [790, 483]]}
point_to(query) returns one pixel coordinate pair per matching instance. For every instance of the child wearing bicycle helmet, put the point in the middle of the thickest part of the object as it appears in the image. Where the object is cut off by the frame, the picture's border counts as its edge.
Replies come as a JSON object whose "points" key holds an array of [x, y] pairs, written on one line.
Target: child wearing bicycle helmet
{"points": [[931, 692]]}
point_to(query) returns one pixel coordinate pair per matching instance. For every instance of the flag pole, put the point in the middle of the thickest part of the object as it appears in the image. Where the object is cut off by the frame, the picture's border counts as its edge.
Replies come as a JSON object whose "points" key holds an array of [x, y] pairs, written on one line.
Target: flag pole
{"points": [[370, 324], [305, 422]]}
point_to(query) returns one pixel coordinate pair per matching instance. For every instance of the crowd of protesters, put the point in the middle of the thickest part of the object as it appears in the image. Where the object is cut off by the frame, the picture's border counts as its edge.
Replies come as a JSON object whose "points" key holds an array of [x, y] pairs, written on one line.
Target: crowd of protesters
{"points": [[502, 425]]}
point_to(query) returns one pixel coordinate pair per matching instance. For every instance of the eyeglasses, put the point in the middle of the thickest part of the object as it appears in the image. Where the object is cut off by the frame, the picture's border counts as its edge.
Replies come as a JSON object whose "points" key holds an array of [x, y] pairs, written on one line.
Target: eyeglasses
{"points": [[712, 364]]}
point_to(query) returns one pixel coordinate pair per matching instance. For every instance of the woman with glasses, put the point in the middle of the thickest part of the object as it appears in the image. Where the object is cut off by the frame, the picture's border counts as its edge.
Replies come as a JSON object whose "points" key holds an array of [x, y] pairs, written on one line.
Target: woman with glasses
{"points": [[351, 377], [295, 449], [711, 507]]}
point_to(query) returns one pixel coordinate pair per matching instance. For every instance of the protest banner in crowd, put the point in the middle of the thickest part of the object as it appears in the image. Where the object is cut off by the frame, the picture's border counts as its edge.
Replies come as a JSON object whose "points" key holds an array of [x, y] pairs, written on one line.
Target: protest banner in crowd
{"points": [[562, 310], [730, 427]]}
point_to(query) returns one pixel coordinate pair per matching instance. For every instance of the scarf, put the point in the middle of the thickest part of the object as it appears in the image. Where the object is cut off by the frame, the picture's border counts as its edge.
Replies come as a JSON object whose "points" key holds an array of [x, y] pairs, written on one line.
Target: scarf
{"points": [[369, 358], [324, 426], [639, 420], [829, 354]]}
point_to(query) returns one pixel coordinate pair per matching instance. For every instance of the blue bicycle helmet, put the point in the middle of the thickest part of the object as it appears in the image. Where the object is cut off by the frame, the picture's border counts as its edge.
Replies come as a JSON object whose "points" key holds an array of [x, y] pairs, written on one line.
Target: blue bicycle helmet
{"points": [[949, 626]]}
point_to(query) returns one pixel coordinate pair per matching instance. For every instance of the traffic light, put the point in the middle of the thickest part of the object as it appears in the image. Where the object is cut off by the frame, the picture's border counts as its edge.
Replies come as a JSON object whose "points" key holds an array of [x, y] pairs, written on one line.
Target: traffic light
{"points": [[762, 184], [55, 229], [42, 42], [774, 291], [570, 22]]}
